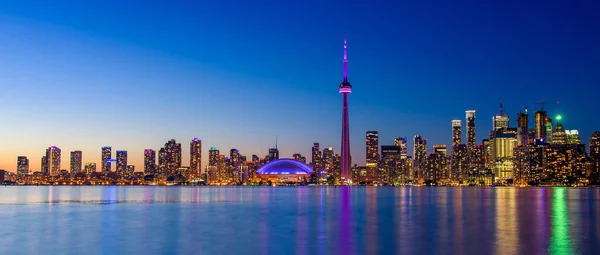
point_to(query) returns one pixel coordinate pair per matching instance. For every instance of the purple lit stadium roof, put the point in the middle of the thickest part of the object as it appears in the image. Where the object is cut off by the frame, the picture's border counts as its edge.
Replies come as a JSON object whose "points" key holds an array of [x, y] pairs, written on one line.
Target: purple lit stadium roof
{"points": [[285, 166]]}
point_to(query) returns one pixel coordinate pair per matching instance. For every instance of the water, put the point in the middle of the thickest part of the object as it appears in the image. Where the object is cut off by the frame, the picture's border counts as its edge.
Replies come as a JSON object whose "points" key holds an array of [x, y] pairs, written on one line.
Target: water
{"points": [[303, 220]]}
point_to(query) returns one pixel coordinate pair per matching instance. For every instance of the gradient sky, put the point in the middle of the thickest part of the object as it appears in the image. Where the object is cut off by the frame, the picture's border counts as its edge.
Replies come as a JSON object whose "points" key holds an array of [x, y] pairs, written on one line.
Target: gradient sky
{"points": [[236, 74]]}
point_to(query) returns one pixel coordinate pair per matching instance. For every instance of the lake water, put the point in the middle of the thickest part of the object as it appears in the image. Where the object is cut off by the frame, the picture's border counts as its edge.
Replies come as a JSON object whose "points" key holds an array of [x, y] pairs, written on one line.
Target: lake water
{"points": [[298, 220]]}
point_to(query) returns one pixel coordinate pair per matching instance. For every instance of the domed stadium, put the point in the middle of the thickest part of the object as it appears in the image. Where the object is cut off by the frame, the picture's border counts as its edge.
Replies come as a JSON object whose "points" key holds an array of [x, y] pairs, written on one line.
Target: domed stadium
{"points": [[285, 170]]}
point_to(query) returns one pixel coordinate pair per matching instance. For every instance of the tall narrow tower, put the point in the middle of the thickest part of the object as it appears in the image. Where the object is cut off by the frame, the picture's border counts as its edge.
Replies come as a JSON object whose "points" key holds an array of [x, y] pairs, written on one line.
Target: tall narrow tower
{"points": [[345, 89]]}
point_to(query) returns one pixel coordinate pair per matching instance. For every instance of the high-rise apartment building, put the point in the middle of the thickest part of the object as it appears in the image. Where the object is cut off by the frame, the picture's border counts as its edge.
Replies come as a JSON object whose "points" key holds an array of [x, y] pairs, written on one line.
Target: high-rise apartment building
{"points": [[316, 160], [76, 162], [45, 167], [22, 165], [328, 161], [471, 138], [456, 132], [501, 120], [53, 160], [389, 168], [372, 156], [149, 161], [169, 158], [106, 156], [121, 163], [523, 128], [420, 156], [195, 157], [401, 142], [595, 156]]}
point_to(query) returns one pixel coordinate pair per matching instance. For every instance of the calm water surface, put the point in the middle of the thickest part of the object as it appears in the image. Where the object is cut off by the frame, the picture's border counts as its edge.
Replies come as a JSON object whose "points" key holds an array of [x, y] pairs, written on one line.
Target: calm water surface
{"points": [[303, 220]]}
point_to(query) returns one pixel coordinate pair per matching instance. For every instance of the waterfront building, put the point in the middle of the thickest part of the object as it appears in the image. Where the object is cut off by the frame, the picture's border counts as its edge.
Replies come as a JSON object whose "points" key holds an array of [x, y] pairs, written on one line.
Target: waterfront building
{"points": [[456, 133], [285, 171], [420, 157], [76, 162], [53, 160], [149, 162], [523, 128], [389, 170], [169, 158], [504, 142], [195, 157], [470, 117], [540, 125], [595, 157], [121, 163], [402, 143], [372, 154], [22, 166], [317, 163], [459, 163], [106, 159]]}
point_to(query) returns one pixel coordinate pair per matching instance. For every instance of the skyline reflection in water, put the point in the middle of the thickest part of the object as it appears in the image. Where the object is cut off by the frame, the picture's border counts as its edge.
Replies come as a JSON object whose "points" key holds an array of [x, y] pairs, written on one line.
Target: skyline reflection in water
{"points": [[300, 220]]}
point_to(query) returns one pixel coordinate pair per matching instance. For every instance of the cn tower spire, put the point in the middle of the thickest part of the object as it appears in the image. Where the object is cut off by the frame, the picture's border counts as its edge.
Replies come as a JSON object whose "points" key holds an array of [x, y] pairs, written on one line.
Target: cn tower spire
{"points": [[345, 59]]}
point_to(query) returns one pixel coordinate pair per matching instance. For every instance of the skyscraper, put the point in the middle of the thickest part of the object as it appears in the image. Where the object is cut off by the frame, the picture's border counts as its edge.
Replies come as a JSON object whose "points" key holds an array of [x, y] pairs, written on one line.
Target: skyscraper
{"points": [[106, 154], [195, 157], [76, 163], [22, 165], [213, 156], [540, 125], [45, 167], [316, 161], [456, 133], [149, 161], [169, 158], [121, 163], [420, 156], [573, 137], [273, 154], [548, 129], [501, 120], [401, 142], [328, 164], [345, 88], [595, 156], [53, 160], [504, 143], [523, 128], [372, 144], [559, 134], [470, 135], [389, 170]]}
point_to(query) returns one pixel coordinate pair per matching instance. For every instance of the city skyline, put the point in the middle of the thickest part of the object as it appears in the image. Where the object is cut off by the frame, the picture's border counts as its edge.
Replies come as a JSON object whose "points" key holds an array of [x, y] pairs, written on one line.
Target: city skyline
{"points": [[87, 86]]}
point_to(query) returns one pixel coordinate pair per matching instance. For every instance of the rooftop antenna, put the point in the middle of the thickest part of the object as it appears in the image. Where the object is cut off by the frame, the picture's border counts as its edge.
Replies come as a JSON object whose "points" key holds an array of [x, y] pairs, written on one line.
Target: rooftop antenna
{"points": [[276, 138], [501, 108]]}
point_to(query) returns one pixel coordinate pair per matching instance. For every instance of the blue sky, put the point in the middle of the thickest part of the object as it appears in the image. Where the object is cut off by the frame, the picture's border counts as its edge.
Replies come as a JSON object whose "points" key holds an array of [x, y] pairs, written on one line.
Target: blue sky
{"points": [[237, 73]]}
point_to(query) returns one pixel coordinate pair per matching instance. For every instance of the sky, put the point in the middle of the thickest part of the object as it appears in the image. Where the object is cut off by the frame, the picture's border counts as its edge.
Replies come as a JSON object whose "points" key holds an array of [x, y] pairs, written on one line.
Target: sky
{"points": [[238, 74]]}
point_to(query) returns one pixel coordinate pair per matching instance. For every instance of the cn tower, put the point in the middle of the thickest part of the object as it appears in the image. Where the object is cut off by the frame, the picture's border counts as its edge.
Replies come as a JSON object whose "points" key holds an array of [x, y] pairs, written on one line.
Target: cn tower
{"points": [[345, 89]]}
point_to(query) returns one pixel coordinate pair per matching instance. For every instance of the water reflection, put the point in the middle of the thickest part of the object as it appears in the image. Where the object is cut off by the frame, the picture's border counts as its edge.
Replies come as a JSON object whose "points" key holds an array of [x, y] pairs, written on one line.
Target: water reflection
{"points": [[560, 241], [303, 220]]}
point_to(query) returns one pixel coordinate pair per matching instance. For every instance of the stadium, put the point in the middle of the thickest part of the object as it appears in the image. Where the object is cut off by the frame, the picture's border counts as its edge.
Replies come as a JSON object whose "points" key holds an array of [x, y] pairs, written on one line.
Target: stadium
{"points": [[285, 171]]}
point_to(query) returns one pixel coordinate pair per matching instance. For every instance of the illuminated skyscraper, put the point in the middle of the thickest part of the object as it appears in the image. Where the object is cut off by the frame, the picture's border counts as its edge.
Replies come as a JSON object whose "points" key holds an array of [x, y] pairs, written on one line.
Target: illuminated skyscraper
{"points": [[22, 165], [345, 88], [401, 142], [523, 128], [213, 156], [90, 168], [76, 163], [389, 169], [504, 143], [169, 158], [121, 163], [501, 120], [459, 162], [149, 161], [317, 163], [470, 114], [372, 142], [456, 132], [595, 156], [559, 135], [195, 157], [273, 154], [420, 156], [328, 161], [45, 167], [372, 156], [540, 125], [573, 137], [53, 159], [106, 154]]}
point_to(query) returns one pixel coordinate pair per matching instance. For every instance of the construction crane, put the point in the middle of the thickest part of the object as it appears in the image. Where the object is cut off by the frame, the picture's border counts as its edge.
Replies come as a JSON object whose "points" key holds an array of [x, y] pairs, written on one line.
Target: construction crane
{"points": [[545, 103]]}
